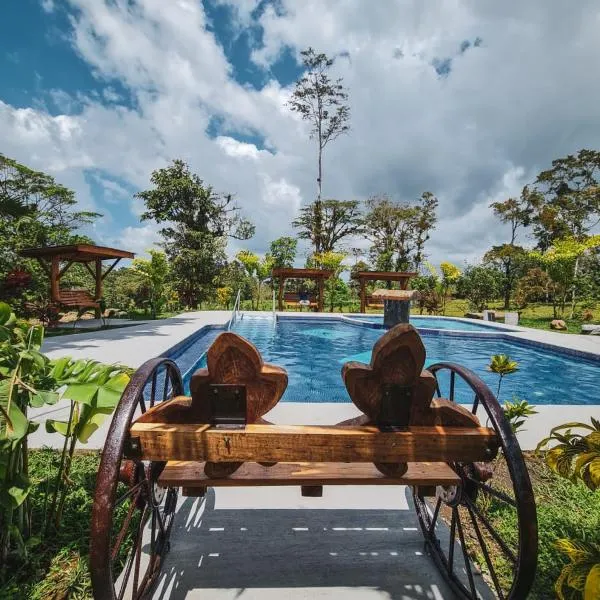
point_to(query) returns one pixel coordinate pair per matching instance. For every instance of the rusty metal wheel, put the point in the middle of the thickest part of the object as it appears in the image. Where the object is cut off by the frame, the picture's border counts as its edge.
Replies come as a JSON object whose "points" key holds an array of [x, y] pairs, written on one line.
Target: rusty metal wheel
{"points": [[482, 533], [132, 515]]}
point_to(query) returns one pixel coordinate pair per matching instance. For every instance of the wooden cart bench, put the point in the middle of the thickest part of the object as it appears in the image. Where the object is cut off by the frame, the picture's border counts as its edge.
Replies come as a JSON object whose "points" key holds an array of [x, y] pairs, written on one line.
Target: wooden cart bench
{"points": [[409, 433]]}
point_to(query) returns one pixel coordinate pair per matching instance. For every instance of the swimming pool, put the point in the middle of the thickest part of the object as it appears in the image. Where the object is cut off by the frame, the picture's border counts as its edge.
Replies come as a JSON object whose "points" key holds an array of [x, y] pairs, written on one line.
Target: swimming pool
{"points": [[441, 323], [314, 350]]}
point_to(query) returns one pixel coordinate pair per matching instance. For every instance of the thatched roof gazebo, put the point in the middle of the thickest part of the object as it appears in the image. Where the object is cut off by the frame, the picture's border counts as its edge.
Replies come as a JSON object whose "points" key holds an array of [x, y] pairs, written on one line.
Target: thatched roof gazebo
{"points": [[318, 275], [56, 260]]}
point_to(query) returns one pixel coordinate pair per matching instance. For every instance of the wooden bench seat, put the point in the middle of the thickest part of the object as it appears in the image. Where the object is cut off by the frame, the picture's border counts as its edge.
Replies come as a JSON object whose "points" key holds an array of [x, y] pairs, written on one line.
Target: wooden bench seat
{"points": [[292, 299], [189, 474], [77, 299], [373, 302]]}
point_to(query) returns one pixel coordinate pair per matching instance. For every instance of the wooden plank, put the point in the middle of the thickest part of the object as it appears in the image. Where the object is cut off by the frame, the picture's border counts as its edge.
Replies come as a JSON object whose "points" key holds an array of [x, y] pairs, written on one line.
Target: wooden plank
{"points": [[384, 275], [312, 443], [191, 475]]}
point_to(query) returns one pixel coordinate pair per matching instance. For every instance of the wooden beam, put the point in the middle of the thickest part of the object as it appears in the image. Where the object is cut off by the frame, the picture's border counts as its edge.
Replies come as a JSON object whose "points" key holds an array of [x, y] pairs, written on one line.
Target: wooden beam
{"points": [[54, 277], [110, 268], [98, 287], [90, 270], [363, 295], [321, 300], [280, 297], [65, 269], [191, 475], [285, 443]]}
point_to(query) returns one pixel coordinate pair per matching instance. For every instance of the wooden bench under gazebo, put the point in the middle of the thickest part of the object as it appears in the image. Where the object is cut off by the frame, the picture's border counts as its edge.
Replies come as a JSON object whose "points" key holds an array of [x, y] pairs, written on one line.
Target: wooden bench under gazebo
{"points": [[293, 299], [56, 260], [371, 300]]}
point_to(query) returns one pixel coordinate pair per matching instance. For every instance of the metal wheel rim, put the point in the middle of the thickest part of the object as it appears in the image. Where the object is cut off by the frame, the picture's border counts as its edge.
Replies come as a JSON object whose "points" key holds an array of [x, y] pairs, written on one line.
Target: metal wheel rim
{"points": [[101, 550], [526, 554]]}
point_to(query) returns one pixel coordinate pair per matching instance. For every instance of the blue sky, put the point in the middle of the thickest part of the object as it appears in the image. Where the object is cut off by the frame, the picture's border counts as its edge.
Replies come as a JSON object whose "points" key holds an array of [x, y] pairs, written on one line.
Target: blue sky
{"points": [[467, 100], [42, 69]]}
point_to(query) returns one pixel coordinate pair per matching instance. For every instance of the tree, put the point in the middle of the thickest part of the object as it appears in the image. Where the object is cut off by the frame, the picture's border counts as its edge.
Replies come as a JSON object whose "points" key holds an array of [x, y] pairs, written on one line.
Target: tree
{"points": [[510, 257], [479, 285], [512, 261], [338, 219], [154, 272], [398, 231], [534, 286], [450, 275], [35, 211], [257, 268], [333, 261], [560, 262], [425, 220], [198, 223], [565, 200], [283, 252], [322, 102]]}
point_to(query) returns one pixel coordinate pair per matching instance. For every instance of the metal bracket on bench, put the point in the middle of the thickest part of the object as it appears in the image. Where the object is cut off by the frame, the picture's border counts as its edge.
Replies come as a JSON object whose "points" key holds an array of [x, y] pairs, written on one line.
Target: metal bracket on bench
{"points": [[395, 407], [227, 405]]}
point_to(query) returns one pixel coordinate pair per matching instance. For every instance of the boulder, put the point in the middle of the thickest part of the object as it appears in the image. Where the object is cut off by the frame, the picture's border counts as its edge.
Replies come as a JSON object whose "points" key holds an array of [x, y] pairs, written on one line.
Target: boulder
{"points": [[558, 324]]}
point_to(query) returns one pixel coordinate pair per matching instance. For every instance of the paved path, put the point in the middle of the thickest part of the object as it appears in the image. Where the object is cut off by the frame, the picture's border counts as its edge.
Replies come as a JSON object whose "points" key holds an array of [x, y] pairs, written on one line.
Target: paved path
{"points": [[354, 543]]}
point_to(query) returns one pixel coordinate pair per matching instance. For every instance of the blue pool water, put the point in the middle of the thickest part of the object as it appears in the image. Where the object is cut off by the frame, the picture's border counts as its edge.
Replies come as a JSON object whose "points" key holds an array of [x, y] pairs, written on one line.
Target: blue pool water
{"points": [[434, 323], [313, 353]]}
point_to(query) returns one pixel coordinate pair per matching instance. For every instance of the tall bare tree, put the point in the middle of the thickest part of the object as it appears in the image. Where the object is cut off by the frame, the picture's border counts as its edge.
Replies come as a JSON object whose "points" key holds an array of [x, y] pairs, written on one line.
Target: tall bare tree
{"points": [[322, 102]]}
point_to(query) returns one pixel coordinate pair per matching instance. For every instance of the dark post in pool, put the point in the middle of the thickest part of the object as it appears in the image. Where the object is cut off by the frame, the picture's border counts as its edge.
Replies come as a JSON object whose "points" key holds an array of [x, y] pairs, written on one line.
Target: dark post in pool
{"points": [[396, 305]]}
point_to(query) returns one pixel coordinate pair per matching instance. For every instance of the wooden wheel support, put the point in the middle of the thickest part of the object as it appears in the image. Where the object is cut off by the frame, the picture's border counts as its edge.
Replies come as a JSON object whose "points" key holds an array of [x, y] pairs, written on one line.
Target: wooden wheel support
{"points": [[218, 437]]}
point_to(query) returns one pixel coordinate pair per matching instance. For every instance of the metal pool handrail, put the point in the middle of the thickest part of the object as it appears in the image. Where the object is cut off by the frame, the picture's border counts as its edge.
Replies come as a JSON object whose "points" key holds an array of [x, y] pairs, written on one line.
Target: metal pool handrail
{"points": [[236, 309]]}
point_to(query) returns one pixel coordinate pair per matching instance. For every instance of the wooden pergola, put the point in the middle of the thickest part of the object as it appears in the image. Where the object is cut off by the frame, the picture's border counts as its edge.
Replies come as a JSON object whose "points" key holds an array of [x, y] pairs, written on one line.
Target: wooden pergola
{"points": [[363, 276], [318, 275], [56, 260]]}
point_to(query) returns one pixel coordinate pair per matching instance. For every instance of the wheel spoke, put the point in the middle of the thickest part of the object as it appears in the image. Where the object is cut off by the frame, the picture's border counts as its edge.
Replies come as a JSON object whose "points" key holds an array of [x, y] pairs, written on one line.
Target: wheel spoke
{"points": [[452, 541], [475, 404], [153, 389], [435, 516], [129, 492], [463, 546], [124, 527], [486, 554], [166, 386], [130, 558], [452, 378], [493, 492], [507, 551]]}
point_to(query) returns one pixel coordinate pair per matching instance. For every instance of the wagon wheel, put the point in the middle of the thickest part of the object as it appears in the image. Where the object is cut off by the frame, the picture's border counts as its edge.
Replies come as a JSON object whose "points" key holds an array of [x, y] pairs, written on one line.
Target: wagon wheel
{"points": [[501, 489], [132, 515]]}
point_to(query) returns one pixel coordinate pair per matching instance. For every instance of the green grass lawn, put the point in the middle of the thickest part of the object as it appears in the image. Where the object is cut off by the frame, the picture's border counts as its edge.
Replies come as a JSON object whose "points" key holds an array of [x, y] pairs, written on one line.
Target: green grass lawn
{"points": [[57, 567]]}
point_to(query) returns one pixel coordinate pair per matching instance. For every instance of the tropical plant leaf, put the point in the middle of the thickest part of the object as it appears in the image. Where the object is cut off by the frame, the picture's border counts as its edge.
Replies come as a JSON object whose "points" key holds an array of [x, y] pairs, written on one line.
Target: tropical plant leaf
{"points": [[5, 312], [85, 393], [110, 393], [54, 426], [90, 421], [42, 397], [592, 584]]}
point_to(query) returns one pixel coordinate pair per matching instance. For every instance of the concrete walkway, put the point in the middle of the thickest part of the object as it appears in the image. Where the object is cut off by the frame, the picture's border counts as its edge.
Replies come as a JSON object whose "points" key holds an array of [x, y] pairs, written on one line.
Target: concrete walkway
{"points": [[354, 543]]}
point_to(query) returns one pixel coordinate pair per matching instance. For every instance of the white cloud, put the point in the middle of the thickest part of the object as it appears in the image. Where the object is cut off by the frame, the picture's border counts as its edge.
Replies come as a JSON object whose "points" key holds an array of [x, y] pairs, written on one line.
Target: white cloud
{"points": [[48, 6], [524, 96]]}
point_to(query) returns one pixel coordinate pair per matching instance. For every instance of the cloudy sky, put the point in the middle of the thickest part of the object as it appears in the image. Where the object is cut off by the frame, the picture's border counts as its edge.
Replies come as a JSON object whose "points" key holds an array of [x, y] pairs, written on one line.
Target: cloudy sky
{"points": [[467, 99]]}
